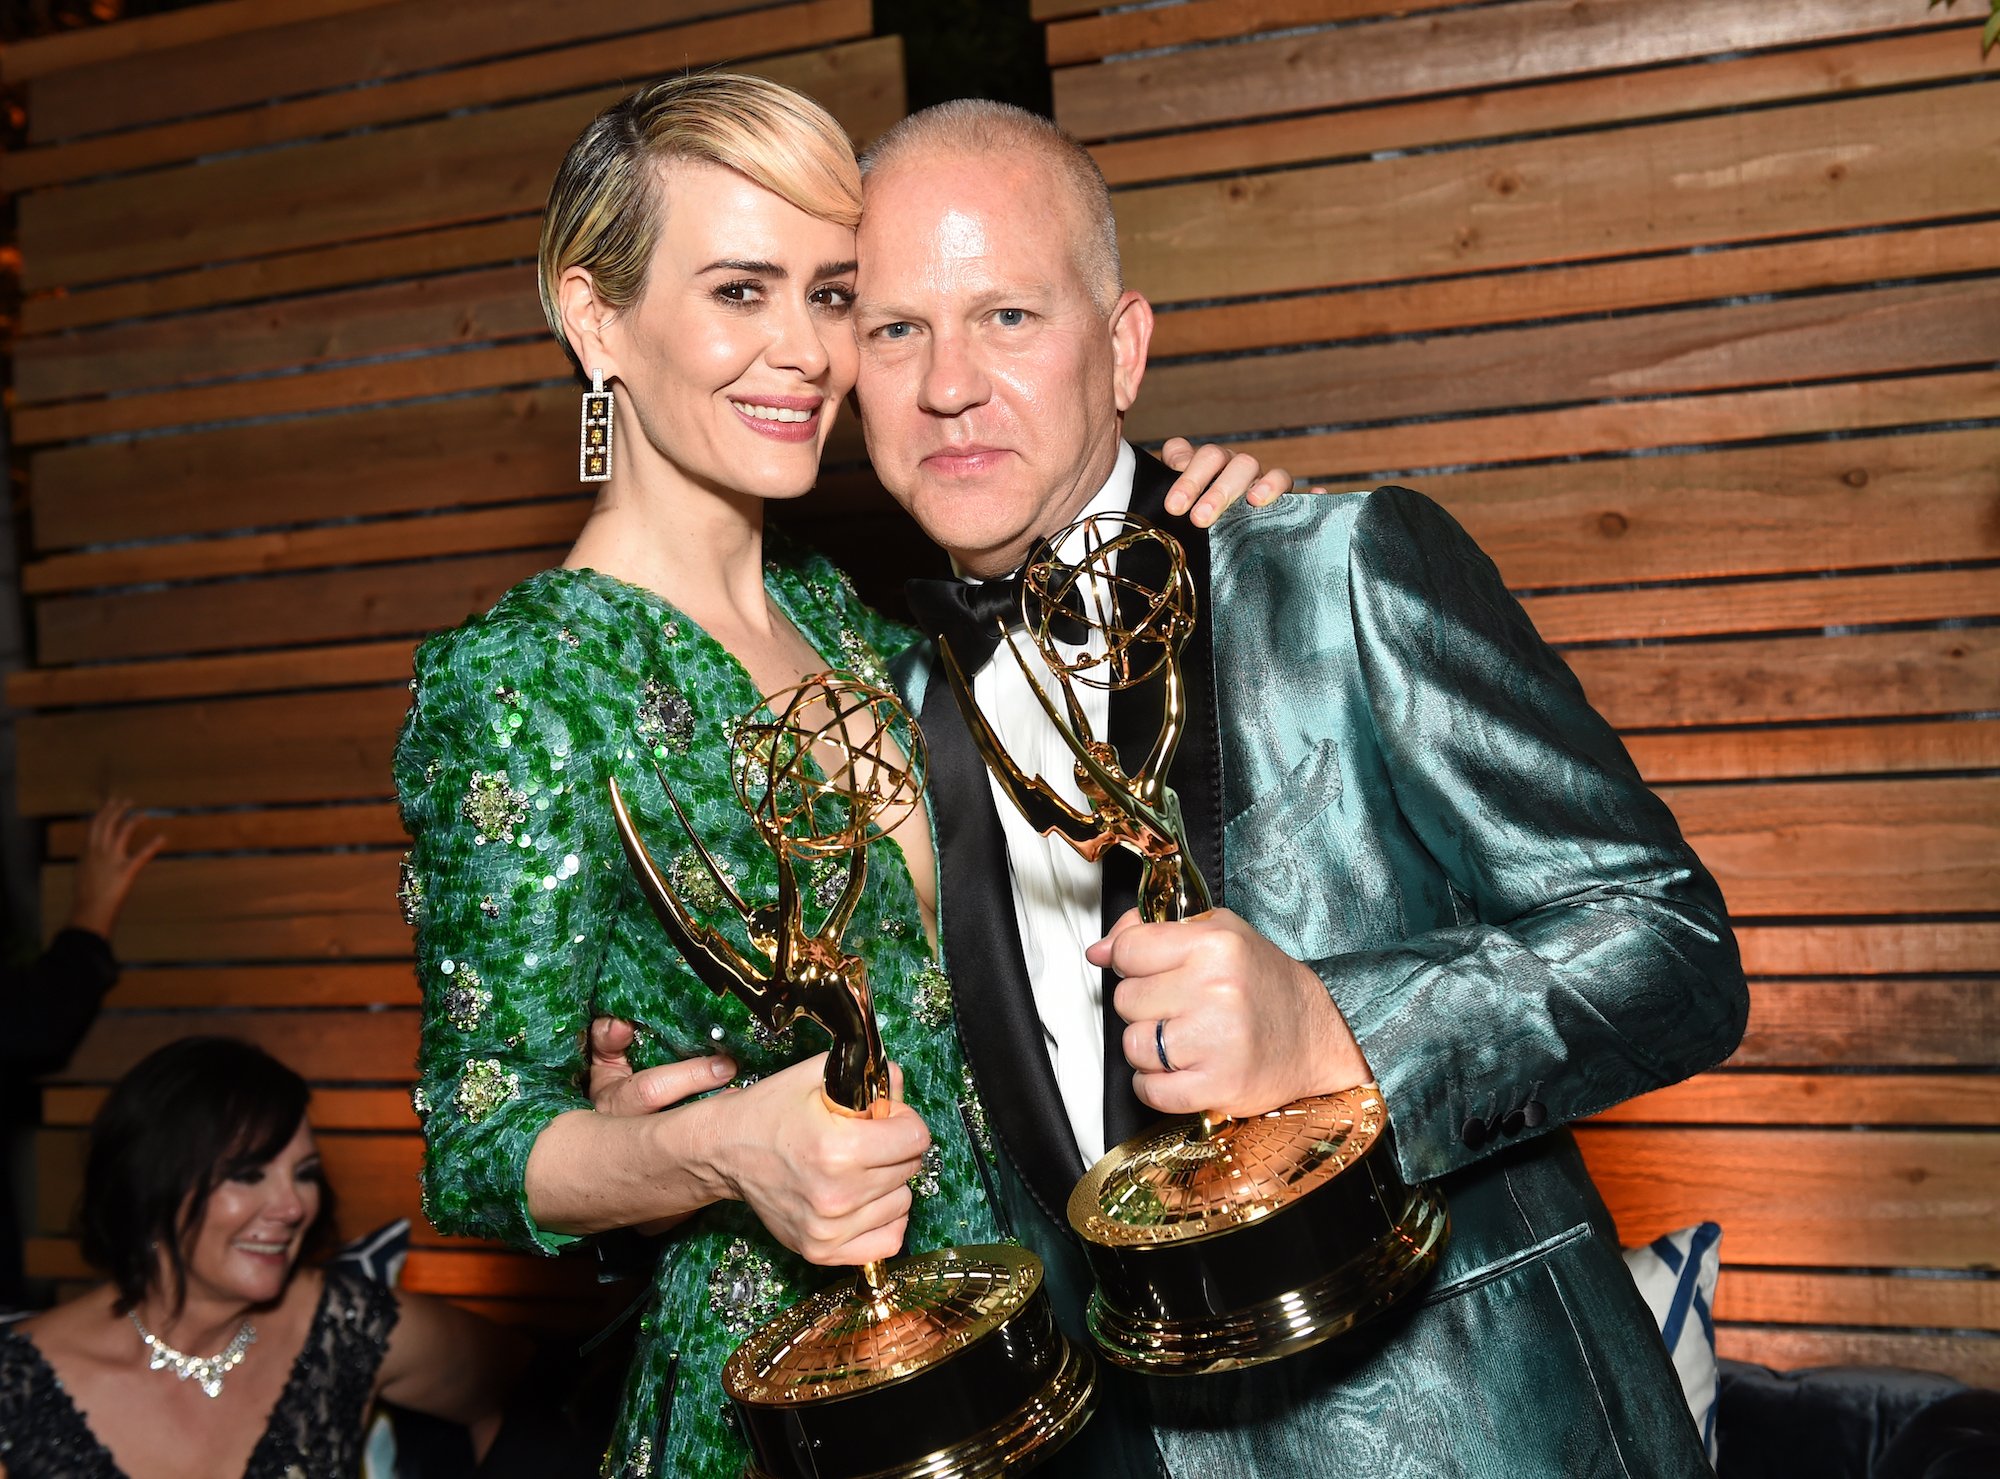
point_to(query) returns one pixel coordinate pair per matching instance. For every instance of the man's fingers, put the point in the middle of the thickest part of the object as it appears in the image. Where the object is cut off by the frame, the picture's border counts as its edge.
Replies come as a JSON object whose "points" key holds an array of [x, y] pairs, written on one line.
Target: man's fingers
{"points": [[1099, 953], [1203, 467], [1177, 452], [1235, 479], [1173, 1093], [1141, 949], [896, 1082]]}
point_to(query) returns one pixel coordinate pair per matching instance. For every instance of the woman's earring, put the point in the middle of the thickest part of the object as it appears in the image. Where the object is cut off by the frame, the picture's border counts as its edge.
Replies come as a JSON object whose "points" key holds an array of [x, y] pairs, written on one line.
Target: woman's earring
{"points": [[594, 456]]}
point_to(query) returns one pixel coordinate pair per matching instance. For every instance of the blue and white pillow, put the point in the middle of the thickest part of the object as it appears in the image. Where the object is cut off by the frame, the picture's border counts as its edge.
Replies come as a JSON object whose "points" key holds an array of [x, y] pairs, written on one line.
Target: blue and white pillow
{"points": [[1676, 1276]]}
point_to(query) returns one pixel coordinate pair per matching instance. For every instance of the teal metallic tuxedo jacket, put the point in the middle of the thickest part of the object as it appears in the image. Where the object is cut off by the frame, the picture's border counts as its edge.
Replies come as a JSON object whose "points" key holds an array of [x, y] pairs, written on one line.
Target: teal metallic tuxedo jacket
{"points": [[1414, 798]]}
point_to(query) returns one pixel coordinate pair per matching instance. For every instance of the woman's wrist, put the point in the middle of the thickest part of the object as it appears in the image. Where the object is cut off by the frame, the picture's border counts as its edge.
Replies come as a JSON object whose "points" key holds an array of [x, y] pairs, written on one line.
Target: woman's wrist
{"points": [[691, 1137]]}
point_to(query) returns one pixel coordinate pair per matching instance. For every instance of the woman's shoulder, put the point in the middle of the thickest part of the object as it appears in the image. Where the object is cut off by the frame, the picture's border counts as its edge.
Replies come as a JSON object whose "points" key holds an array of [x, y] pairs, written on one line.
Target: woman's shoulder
{"points": [[526, 625]]}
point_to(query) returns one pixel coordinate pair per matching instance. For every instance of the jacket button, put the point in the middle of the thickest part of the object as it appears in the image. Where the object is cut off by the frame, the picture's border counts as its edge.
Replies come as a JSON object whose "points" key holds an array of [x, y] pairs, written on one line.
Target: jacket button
{"points": [[1511, 1122], [1534, 1114], [1476, 1133]]}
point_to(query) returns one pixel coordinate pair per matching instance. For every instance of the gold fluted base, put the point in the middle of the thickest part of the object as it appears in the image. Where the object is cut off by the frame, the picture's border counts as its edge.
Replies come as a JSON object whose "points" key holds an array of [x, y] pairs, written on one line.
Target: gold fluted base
{"points": [[1286, 1323], [953, 1369]]}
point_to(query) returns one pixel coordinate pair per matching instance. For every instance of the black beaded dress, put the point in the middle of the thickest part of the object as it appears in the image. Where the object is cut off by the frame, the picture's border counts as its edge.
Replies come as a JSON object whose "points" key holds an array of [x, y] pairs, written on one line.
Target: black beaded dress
{"points": [[314, 1431]]}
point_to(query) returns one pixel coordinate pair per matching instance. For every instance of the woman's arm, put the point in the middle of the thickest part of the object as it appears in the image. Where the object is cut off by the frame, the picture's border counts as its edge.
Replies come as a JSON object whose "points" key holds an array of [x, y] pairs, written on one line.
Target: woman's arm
{"points": [[447, 1363]]}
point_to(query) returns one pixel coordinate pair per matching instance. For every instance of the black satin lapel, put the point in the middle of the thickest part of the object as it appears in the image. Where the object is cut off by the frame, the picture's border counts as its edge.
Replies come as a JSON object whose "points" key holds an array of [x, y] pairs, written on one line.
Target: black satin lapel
{"points": [[1195, 772], [997, 1021]]}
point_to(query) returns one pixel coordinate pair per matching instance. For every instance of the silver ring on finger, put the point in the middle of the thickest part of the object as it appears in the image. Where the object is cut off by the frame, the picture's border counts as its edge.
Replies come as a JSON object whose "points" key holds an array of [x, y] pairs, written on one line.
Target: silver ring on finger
{"points": [[1160, 1043]]}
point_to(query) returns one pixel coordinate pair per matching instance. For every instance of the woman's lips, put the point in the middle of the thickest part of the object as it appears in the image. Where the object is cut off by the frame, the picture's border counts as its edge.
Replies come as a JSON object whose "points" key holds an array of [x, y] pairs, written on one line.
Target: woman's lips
{"points": [[785, 418]]}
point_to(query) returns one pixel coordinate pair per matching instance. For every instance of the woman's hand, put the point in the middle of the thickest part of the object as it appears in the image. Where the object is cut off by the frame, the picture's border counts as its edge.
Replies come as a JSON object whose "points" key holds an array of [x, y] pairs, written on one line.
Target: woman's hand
{"points": [[1214, 477], [831, 1187], [107, 865]]}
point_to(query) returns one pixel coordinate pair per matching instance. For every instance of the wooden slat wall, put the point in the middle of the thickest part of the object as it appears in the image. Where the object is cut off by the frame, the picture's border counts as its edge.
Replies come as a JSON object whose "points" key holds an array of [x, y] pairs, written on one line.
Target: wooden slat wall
{"points": [[1691, 314], [287, 404]]}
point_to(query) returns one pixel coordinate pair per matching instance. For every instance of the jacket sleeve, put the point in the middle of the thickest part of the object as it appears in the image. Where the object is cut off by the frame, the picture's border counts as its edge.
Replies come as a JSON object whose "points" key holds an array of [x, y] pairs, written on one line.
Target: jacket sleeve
{"points": [[1595, 961], [509, 884], [47, 1006]]}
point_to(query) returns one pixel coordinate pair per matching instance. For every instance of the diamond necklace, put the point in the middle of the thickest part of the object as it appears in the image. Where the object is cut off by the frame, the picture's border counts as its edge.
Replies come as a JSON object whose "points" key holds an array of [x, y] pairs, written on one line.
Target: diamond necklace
{"points": [[207, 1370]]}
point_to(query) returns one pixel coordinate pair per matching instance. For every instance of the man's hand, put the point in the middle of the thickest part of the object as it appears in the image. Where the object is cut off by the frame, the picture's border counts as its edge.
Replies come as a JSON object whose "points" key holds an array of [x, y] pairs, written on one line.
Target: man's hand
{"points": [[107, 865], [1217, 477], [1245, 1027]]}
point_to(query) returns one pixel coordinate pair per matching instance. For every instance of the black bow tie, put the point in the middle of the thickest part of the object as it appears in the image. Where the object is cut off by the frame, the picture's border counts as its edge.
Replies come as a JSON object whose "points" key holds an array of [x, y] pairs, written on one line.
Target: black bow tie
{"points": [[968, 614]]}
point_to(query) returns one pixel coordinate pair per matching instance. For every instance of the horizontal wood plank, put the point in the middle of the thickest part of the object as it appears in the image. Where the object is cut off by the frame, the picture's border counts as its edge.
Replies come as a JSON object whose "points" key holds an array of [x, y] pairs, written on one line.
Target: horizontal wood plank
{"points": [[305, 748], [1926, 845], [327, 606], [1832, 949], [1887, 1199], [290, 829], [1779, 1297], [1814, 337], [391, 983], [1585, 288], [1402, 452], [294, 906], [1819, 167], [398, 318], [1971, 1359], [1879, 1100], [332, 1047], [1658, 93], [450, 171], [1872, 1021], [1143, 28], [43, 56], [1766, 606], [450, 249], [335, 54], [1861, 749], [1476, 48], [1788, 679], [733, 39], [348, 665], [331, 1108], [456, 1272]]}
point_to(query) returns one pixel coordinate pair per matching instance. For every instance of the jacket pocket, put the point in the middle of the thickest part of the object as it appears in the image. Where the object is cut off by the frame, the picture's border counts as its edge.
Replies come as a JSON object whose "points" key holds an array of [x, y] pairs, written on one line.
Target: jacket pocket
{"points": [[1277, 868]]}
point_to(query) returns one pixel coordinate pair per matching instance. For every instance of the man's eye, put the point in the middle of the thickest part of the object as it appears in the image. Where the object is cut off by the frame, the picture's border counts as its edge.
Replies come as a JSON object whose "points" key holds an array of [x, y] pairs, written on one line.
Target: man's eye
{"points": [[895, 331], [1011, 318]]}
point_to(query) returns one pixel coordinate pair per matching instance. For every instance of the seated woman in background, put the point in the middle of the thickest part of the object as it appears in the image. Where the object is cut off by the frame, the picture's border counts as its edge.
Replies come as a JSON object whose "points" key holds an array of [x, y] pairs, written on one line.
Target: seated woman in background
{"points": [[211, 1351]]}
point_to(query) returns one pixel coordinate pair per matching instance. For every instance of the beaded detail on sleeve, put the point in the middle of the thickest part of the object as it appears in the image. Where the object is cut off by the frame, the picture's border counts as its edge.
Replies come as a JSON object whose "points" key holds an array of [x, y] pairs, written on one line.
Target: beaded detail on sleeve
{"points": [[519, 719]]}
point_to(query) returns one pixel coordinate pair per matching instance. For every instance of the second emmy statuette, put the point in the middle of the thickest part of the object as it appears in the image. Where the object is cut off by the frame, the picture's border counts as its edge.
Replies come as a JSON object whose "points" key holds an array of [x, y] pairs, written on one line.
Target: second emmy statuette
{"points": [[944, 1365], [1216, 1242]]}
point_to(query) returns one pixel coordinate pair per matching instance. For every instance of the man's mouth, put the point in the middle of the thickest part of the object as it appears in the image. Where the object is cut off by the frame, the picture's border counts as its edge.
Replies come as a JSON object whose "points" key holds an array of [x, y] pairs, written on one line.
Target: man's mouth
{"points": [[968, 461]]}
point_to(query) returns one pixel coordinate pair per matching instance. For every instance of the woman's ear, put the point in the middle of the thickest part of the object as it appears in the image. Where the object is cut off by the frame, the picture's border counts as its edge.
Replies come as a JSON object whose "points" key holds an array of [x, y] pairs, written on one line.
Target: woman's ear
{"points": [[589, 323]]}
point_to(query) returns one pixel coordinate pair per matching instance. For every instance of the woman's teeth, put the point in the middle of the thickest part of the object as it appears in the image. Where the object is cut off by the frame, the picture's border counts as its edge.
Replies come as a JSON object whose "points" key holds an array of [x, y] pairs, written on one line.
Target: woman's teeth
{"points": [[771, 413]]}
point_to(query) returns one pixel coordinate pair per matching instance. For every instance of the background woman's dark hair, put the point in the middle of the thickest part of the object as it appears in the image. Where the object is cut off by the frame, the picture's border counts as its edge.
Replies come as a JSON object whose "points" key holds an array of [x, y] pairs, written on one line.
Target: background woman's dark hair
{"points": [[182, 1122]]}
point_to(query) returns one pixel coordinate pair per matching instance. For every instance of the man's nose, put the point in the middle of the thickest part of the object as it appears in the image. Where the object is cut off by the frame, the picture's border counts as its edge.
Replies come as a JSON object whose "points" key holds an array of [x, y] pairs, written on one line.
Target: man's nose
{"points": [[954, 380]]}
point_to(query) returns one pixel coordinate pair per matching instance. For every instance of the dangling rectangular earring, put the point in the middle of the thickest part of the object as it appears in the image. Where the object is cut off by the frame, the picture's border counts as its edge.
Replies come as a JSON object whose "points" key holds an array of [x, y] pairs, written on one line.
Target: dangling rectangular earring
{"points": [[594, 455]]}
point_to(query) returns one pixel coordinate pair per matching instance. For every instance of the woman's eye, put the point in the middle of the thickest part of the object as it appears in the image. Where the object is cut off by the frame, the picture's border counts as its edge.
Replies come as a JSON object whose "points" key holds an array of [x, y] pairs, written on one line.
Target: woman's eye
{"points": [[248, 1178], [739, 292], [835, 297], [1011, 318]]}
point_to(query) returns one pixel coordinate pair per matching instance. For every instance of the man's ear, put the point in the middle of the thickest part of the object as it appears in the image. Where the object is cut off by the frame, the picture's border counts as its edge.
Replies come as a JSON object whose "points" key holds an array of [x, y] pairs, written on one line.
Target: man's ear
{"points": [[1131, 335], [589, 323]]}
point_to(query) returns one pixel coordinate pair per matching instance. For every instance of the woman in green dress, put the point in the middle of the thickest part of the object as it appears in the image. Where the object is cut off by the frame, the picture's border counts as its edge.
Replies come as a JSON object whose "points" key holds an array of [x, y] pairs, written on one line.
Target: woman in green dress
{"points": [[697, 255]]}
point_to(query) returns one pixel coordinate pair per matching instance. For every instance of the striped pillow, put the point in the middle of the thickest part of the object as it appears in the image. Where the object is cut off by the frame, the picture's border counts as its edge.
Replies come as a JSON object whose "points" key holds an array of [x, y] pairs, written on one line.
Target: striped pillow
{"points": [[1676, 1276]]}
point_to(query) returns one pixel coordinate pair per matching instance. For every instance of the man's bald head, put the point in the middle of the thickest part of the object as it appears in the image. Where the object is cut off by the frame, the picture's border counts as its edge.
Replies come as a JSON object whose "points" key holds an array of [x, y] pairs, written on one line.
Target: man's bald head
{"points": [[978, 128]]}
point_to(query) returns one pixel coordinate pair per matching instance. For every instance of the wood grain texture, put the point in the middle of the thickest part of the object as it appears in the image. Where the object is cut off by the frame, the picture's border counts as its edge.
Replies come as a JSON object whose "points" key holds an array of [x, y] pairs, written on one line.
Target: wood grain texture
{"points": [[1771, 1296], [1911, 845], [1144, 28], [346, 665], [1723, 755], [446, 172], [429, 94], [321, 985], [332, 746], [1413, 450], [320, 1046], [1945, 1022], [331, 1108], [1818, 167], [1843, 1099], [1813, 337], [286, 829], [1787, 679], [288, 907], [451, 248], [42, 56], [1369, 312], [1574, 103], [1971, 1359], [1885, 1199], [1833, 949], [328, 606]]}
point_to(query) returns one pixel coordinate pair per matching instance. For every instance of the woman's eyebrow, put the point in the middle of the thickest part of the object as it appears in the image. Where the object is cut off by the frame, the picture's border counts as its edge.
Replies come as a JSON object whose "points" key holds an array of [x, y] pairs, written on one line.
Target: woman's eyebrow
{"points": [[760, 269], [836, 269]]}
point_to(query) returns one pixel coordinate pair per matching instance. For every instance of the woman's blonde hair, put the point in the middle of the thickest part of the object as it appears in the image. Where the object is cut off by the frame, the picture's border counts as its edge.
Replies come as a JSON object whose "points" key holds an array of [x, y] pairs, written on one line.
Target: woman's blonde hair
{"points": [[604, 208]]}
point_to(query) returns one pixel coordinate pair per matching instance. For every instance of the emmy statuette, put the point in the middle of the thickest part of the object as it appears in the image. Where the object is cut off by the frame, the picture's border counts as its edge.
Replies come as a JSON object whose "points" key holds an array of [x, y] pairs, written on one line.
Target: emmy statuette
{"points": [[941, 1365], [1216, 1243]]}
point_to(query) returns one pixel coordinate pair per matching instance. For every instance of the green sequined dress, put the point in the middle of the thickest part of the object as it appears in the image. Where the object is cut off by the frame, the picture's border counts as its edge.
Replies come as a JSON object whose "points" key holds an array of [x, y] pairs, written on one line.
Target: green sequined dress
{"points": [[529, 923]]}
